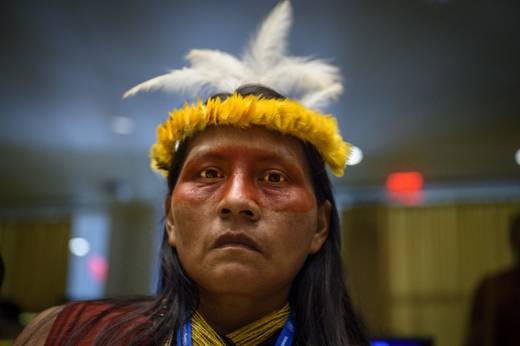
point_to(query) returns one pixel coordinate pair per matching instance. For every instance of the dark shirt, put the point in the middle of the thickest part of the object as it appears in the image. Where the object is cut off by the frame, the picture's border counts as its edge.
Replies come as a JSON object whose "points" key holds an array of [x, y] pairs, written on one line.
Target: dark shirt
{"points": [[495, 315]]}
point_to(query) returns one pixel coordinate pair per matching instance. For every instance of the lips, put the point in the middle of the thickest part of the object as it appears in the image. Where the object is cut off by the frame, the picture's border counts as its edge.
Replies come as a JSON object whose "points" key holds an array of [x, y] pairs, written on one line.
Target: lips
{"points": [[238, 240]]}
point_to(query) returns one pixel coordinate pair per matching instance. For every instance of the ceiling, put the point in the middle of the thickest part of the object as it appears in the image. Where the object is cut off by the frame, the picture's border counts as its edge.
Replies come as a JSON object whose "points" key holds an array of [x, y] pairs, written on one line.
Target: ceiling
{"points": [[432, 86]]}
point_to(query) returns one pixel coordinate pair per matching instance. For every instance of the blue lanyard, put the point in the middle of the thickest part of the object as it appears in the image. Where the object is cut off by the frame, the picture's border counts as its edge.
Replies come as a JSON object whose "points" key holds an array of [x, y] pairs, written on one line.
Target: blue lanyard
{"points": [[184, 336], [287, 334], [284, 339]]}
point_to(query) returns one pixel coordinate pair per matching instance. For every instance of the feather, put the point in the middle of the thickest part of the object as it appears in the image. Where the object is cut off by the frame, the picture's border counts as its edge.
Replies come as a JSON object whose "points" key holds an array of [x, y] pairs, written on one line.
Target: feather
{"points": [[183, 80], [302, 75], [321, 98], [225, 72], [269, 44], [211, 60]]}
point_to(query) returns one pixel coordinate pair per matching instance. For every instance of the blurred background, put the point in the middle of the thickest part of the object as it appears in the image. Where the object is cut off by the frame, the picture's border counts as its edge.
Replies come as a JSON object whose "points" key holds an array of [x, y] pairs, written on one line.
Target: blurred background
{"points": [[431, 100]]}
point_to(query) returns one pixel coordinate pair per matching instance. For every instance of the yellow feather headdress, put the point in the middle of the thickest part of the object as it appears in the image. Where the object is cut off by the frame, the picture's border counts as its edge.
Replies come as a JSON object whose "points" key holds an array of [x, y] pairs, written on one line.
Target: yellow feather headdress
{"points": [[265, 63], [283, 115]]}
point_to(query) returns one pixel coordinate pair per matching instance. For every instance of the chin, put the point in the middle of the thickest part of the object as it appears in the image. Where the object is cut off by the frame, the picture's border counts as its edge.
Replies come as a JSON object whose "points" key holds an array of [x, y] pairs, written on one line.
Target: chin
{"points": [[235, 278]]}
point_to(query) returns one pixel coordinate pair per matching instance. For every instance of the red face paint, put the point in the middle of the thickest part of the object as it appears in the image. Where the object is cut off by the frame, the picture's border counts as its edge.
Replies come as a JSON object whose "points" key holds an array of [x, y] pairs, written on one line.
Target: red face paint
{"points": [[245, 172]]}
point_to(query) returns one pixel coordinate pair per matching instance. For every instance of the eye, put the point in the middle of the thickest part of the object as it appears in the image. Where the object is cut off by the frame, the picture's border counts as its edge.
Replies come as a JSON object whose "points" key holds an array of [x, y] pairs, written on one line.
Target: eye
{"points": [[274, 177], [210, 173]]}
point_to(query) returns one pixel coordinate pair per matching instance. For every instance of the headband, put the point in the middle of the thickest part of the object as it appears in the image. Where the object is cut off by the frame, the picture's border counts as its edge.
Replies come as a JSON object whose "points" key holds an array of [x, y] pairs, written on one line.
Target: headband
{"points": [[283, 115]]}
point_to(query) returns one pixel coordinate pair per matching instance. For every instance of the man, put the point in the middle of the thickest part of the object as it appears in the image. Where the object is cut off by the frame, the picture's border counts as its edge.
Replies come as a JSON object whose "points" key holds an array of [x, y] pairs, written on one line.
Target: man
{"points": [[495, 316], [251, 249]]}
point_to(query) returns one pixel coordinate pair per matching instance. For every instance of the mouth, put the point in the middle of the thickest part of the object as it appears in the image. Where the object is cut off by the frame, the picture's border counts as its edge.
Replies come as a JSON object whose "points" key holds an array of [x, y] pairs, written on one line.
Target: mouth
{"points": [[236, 240]]}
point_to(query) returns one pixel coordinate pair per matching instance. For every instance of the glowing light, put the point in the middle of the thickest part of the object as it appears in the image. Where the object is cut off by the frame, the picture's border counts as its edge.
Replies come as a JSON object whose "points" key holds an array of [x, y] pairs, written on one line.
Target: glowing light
{"points": [[122, 125], [356, 156], [404, 182], [79, 246], [98, 268], [517, 157], [405, 187]]}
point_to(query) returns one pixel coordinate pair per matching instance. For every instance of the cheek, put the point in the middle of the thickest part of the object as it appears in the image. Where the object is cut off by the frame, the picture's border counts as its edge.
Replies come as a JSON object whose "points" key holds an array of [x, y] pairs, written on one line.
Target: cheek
{"points": [[293, 200], [191, 193], [186, 221], [291, 234]]}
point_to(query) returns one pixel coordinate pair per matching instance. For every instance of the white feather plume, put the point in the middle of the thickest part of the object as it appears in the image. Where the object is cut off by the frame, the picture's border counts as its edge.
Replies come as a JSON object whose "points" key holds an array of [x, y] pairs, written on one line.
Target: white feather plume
{"points": [[321, 98], [306, 75], [269, 45], [174, 81], [219, 64], [314, 82]]}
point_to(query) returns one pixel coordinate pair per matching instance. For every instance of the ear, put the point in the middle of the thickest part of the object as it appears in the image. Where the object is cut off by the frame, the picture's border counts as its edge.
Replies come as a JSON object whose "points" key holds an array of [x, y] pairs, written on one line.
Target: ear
{"points": [[322, 229], [168, 223]]}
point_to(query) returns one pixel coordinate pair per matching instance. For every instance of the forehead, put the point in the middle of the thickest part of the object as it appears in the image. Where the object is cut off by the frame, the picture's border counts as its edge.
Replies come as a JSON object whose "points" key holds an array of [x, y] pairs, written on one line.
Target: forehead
{"points": [[252, 141]]}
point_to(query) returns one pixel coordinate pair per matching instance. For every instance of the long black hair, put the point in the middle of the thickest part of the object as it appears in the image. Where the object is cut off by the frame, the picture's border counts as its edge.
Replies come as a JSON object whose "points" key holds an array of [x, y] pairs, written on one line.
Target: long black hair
{"points": [[318, 296]]}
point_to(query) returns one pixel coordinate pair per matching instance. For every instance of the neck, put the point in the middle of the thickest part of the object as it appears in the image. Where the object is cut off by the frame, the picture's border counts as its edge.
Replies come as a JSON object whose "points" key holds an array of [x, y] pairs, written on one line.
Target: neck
{"points": [[227, 313]]}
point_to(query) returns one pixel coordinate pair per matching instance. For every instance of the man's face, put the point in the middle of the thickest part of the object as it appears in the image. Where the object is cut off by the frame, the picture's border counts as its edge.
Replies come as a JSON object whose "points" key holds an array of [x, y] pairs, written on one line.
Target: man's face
{"points": [[243, 216]]}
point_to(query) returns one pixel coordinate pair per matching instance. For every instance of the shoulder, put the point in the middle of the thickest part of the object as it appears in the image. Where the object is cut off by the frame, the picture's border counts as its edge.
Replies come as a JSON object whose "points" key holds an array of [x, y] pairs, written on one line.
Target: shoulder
{"points": [[82, 321], [499, 279], [57, 323], [37, 331]]}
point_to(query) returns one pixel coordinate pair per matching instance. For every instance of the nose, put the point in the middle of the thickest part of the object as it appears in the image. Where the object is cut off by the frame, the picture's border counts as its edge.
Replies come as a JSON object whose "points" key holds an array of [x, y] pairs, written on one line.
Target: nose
{"points": [[238, 199]]}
